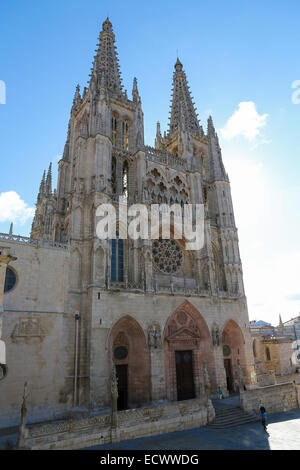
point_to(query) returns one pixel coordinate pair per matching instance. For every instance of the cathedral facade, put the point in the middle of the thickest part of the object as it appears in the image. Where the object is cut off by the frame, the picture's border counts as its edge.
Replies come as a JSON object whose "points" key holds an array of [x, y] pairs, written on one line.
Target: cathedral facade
{"points": [[170, 320]]}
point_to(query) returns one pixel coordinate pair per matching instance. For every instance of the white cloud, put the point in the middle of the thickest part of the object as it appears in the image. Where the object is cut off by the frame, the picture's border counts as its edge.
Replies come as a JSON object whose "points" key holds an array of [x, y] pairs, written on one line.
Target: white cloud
{"points": [[13, 208], [268, 239], [245, 121]]}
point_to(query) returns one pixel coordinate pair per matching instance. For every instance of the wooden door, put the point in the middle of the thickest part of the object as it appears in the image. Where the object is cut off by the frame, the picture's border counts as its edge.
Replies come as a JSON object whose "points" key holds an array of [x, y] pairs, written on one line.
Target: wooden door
{"points": [[229, 378], [122, 376], [184, 375]]}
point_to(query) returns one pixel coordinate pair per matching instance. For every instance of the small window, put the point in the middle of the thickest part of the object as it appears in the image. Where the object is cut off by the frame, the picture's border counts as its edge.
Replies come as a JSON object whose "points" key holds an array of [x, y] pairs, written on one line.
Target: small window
{"points": [[120, 353], [268, 355], [10, 280]]}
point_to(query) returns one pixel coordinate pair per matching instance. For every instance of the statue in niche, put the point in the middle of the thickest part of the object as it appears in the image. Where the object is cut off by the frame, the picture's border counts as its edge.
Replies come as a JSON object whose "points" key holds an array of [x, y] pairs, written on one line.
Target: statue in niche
{"points": [[216, 335], [145, 192], [81, 186], [154, 337], [101, 183]]}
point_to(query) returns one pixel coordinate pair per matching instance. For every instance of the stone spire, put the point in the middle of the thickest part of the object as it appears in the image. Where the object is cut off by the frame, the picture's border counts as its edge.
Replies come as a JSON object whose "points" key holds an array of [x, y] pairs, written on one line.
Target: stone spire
{"points": [[77, 99], [48, 188], [42, 187], [217, 170], [158, 138], [106, 63], [281, 327], [135, 92], [183, 112]]}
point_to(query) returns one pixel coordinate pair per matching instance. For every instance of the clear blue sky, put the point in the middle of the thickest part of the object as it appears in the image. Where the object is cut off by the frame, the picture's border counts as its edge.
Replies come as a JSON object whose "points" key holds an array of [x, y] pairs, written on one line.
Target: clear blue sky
{"points": [[232, 52]]}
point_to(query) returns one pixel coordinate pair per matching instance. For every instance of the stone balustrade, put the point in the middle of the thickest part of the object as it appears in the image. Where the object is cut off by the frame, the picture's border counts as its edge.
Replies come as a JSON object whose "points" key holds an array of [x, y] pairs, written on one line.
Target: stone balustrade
{"points": [[132, 423], [164, 158], [33, 242]]}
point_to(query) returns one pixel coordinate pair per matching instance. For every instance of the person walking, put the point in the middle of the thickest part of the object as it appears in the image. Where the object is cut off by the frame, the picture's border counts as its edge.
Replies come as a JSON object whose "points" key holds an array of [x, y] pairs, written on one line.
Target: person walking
{"points": [[263, 417], [220, 393]]}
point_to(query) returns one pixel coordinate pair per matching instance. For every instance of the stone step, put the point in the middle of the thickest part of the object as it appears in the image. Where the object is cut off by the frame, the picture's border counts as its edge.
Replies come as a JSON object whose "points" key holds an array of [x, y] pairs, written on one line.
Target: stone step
{"points": [[229, 416], [232, 417], [229, 411]]}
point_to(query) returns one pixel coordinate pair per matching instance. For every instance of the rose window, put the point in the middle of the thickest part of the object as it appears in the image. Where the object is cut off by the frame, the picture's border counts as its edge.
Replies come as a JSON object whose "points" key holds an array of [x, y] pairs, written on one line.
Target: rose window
{"points": [[167, 256]]}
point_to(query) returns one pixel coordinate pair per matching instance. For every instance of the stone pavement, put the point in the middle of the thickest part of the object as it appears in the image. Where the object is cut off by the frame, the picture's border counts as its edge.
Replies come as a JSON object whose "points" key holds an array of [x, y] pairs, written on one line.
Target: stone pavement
{"points": [[283, 434]]}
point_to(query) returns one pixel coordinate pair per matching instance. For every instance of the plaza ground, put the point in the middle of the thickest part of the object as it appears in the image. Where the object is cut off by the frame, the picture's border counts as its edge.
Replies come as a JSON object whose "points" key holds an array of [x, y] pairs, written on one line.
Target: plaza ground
{"points": [[283, 434]]}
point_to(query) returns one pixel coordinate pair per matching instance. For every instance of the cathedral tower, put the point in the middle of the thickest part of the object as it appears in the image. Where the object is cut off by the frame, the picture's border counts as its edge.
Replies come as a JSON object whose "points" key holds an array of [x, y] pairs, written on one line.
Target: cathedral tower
{"points": [[142, 303]]}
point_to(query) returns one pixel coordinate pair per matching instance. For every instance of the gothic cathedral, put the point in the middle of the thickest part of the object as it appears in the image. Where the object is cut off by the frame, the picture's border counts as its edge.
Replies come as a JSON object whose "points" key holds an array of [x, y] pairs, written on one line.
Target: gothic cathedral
{"points": [[170, 320]]}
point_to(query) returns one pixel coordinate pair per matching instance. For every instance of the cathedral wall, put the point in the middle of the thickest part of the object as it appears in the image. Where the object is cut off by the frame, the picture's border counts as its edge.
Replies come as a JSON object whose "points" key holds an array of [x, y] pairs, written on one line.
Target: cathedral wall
{"points": [[149, 310], [34, 326]]}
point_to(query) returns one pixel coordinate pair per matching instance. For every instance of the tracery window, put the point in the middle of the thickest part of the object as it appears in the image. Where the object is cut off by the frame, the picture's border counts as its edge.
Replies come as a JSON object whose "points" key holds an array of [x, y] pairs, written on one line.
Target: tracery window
{"points": [[125, 129], [117, 260], [114, 131], [125, 179], [167, 256], [10, 280]]}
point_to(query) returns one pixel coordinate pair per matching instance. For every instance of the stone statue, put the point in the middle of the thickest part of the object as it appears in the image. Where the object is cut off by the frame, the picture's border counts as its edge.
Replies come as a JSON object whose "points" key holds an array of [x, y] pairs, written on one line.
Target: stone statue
{"points": [[151, 339], [216, 335], [101, 183], [157, 338], [154, 337], [81, 186]]}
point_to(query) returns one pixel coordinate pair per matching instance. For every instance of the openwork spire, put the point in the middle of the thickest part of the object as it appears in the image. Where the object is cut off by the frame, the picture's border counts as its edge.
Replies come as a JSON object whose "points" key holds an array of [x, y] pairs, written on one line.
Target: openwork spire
{"points": [[49, 181], [106, 64], [183, 111], [217, 170], [42, 187]]}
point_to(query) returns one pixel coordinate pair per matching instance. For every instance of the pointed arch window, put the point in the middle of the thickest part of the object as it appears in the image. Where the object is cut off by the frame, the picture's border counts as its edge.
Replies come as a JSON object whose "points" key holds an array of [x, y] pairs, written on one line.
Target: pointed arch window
{"points": [[125, 129], [114, 131], [268, 355], [117, 259], [125, 179], [10, 280]]}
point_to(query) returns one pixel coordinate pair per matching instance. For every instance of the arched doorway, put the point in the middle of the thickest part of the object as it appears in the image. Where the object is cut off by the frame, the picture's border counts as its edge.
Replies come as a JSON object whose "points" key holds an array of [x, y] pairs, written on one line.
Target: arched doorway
{"points": [[233, 345], [129, 352], [187, 353]]}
